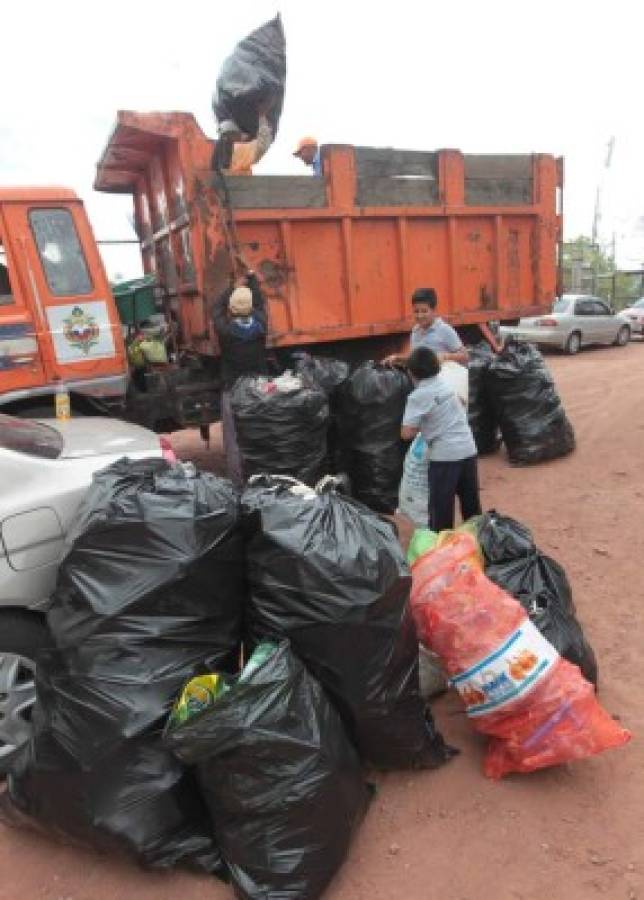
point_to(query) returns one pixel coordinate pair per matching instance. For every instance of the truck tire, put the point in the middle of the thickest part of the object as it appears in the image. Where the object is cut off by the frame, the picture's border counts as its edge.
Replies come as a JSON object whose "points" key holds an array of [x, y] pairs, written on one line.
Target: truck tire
{"points": [[23, 635]]}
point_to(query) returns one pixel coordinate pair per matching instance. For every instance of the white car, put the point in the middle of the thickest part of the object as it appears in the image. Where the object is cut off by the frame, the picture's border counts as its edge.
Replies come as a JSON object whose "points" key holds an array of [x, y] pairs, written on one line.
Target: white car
{"points": [[576, 321], [635, 315], [46, 468]]}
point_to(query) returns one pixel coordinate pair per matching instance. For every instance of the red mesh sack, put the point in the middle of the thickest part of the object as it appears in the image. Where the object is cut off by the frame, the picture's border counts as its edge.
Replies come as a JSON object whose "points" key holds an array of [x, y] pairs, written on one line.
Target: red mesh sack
{"points": [[537, 708]]}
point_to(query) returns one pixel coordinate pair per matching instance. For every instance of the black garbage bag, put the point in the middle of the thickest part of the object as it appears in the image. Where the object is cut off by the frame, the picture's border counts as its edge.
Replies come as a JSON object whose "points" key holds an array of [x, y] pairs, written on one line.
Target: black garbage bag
{"points": [[371, 406], [481, 414], [330, 575], [533, 422], [281, 430], [540, 584], [280, 777], [330, 374], [503, 539], [253, 77], [149, 595]]}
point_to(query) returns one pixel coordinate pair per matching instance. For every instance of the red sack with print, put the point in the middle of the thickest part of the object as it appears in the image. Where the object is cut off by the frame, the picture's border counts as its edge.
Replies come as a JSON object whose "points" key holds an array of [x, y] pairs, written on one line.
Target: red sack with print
{"points": [[537, 708]]}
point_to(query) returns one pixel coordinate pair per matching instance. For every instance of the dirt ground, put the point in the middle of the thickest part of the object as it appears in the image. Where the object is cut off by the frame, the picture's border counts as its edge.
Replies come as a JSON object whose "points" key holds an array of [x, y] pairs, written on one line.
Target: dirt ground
{"points": [[571, 833]]}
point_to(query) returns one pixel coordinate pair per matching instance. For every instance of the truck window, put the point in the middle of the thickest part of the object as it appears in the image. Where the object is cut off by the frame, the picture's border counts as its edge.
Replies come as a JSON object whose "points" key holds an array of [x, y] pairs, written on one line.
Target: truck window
{"points": [[6, 293], [60, 252]]}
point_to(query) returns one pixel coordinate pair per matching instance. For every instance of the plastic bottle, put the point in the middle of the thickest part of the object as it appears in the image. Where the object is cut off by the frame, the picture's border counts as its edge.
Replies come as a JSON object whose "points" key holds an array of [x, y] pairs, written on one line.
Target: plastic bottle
{"points": [[63, 404]]}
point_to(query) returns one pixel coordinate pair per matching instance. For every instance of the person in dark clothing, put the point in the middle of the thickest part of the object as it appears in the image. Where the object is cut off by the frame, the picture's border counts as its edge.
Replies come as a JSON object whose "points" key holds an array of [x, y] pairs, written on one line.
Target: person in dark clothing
{"points": [[239, 315], [434, 409]]}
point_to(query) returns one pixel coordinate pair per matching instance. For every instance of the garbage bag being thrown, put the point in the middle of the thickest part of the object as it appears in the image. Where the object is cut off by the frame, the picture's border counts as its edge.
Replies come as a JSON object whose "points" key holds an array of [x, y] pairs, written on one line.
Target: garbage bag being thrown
{"points": [[252, 79], [537, 708], [279, 775], [330, 575], [149, 595]]}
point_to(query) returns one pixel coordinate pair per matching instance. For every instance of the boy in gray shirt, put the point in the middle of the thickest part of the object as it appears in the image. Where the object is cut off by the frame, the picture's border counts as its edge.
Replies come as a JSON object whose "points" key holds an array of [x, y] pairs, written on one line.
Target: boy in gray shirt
{"points": [[434, 409]]}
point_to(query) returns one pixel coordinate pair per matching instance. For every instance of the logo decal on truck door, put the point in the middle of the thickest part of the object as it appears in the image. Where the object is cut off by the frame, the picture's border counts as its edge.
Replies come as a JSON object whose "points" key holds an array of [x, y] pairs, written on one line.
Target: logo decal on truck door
{"points": [[81, 331]]}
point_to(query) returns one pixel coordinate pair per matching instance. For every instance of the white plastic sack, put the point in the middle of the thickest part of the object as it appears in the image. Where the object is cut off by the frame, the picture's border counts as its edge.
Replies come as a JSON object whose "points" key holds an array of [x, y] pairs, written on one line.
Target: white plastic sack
{"points": [[413, 495]]}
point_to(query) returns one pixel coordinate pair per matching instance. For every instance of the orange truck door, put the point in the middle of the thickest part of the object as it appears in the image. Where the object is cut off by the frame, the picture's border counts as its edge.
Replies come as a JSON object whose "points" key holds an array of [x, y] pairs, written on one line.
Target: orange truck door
{"points": [[21, 366], [79, 332]]}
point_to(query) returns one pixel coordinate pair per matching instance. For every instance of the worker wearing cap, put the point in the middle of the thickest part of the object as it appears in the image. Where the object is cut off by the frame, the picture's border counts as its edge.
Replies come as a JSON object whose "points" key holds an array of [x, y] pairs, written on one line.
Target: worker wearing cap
{"points": [[239, 314], [308, 151]]}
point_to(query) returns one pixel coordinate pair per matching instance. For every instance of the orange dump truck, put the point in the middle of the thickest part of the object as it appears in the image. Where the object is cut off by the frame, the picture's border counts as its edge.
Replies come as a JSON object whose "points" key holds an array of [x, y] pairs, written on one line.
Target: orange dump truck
{"points": [[338, 255]]}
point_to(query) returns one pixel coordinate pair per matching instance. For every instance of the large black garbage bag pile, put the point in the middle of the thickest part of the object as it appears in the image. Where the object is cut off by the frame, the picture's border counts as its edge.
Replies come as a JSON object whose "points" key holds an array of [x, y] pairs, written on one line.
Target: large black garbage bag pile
{"points": [[253, 78], [330, 374], [513, 561], [481, 414], [330, 575], [533, 422], [149, 595], [281, 426], [281, 779], [372, 403]]}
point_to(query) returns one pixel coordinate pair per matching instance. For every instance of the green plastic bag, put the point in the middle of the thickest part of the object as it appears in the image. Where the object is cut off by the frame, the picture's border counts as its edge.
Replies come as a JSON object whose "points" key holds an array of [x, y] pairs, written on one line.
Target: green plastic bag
{"points": [[422, 541]]}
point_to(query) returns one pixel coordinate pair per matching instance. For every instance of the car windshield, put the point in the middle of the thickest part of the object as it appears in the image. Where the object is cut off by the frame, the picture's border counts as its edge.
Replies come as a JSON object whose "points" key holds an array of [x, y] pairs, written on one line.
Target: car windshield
{"points": [[561, 305], [639, 304], [30, 437]]}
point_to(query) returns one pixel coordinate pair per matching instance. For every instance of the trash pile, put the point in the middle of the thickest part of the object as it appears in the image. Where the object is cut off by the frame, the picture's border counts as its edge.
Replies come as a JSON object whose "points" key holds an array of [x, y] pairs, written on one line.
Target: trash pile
{"points": [[537, 708], [148, 596], [221, 673]]}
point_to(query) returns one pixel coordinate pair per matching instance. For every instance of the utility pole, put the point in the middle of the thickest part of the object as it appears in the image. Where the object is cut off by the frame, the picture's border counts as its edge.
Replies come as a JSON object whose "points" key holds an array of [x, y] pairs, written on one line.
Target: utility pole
{"points": [[600, 184]]}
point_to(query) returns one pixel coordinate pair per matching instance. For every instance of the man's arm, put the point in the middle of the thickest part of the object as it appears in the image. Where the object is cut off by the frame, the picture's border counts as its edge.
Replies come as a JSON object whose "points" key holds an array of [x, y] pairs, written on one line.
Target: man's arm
{"points": [[411, 418], [408, 433], [264, 138], [219, 311], [259, 301], [455, 351], [398, 359]]}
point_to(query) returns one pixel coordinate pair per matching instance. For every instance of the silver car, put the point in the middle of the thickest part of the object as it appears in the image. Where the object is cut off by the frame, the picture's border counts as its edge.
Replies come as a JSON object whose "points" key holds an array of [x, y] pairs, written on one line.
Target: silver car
{"points": [[576, 321], [45, 470], [635, 315]]}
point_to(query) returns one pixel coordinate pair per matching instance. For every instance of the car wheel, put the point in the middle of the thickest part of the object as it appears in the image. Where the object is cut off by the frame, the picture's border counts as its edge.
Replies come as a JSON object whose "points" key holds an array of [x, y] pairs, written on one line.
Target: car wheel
{"points": [[623, 336], [573, 344], [23, 635]]}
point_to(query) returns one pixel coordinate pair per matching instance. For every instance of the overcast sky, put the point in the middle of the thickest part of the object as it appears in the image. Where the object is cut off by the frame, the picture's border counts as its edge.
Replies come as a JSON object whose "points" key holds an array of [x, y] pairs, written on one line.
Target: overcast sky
{"points": [[488, 76]]}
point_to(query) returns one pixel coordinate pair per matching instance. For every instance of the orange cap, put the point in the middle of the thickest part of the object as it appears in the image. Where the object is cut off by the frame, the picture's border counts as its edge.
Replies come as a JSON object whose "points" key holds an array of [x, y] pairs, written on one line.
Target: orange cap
{"points": [[305, 142]]}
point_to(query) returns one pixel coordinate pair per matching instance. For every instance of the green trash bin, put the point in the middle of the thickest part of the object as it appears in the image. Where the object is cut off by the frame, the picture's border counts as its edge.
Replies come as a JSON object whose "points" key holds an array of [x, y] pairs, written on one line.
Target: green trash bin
{"points": [[135, 299]]}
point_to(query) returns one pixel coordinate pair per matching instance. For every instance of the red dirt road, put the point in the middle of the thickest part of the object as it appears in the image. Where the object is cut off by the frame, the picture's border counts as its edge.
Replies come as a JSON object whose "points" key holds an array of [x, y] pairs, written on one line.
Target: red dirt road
{"points": [[572, 833]]}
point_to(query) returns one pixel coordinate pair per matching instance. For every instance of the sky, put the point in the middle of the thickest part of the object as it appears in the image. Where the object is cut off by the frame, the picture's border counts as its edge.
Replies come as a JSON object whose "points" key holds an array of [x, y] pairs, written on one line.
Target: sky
{"points": [[485, 77]]}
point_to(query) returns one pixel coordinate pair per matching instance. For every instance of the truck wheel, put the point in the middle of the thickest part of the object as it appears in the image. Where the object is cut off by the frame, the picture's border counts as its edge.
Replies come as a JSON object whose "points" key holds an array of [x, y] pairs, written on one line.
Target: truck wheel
{"points": [[573, 344], [23, 635], [623, 336]]}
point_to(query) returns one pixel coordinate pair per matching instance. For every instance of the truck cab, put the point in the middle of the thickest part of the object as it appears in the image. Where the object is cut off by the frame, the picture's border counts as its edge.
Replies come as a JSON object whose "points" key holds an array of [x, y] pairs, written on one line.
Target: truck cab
{"points": [[58, 320]]}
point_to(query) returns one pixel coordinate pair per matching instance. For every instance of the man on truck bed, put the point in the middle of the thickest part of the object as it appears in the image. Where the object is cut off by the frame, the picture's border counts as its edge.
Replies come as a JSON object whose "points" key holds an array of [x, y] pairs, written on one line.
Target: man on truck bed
{"points": [[239, 314], [430, 331], [309, 152]]}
